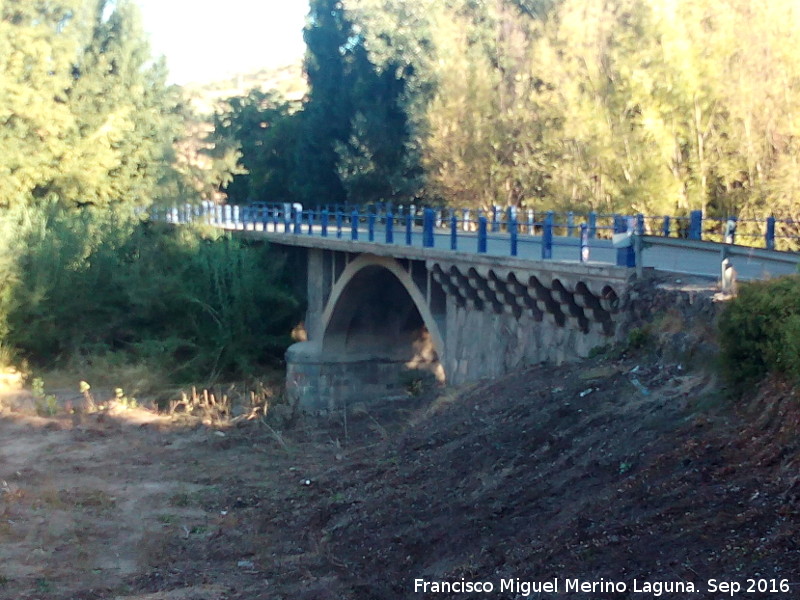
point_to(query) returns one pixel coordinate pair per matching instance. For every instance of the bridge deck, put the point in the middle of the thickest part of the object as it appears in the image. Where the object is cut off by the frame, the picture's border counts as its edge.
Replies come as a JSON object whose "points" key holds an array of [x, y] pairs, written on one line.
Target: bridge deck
{"points": [[689, 257]]}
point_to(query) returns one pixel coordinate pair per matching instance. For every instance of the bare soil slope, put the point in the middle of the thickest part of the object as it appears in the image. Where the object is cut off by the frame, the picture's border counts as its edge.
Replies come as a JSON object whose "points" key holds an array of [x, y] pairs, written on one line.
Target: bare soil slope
{"points": [[614, 469]]}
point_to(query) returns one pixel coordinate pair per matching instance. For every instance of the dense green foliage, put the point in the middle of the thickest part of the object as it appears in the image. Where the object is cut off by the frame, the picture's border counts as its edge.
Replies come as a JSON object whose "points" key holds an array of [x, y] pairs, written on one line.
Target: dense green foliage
{"points": [[263, 129], [88, 283], [633, 105], [760, 331], [86, 114], [350, 139], [88, 132]]}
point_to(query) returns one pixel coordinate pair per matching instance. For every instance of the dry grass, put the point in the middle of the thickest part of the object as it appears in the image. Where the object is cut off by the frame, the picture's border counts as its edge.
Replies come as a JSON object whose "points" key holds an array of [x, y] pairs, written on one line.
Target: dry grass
{"points": [[229, 405]]}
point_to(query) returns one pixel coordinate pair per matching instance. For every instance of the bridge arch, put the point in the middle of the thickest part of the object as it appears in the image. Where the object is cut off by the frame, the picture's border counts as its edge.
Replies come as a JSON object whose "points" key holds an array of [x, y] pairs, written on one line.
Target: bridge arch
{"points": [[377, 311]]}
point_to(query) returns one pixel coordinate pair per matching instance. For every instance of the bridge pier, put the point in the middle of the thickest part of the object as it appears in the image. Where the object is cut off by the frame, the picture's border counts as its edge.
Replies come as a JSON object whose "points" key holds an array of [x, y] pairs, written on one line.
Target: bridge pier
{"points": [[323, 383], [374, 316], [366, 331]]}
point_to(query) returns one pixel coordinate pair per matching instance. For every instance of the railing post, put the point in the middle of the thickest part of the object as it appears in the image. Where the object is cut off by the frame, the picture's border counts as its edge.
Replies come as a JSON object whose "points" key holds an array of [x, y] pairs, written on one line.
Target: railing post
{"points": [[218, 210], [287, 219], [592, 225], [638, 245], [495, 220], [584, 243], [453, 233], [338, 223], [228, 213], [409, 224], [354, 225], [531, 222], [465, 220], [696, 225], [275, 217], [620, 227], [323, 222], [297, 222], [665, 227], [482, 224], [626, 257], [547, 237], [428, 218], [511, 215], [371, 226], [570, 223], [297, 217], [512, 229], [770, 233], [389, 228], [310, 221]]}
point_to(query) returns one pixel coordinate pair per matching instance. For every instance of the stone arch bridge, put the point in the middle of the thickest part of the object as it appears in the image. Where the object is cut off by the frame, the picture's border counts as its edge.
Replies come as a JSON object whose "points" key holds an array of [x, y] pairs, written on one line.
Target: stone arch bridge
{"points": [[376, 312]]}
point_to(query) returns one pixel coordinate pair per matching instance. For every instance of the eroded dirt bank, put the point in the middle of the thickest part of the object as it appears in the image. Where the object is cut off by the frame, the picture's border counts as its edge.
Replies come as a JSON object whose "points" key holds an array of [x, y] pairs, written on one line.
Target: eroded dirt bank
{"points": [[617, 468]]}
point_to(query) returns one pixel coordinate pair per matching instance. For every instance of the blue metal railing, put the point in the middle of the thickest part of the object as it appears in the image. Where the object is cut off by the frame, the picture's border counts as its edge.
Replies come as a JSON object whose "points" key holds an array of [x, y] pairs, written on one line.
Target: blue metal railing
{"points": [[566, 236]]}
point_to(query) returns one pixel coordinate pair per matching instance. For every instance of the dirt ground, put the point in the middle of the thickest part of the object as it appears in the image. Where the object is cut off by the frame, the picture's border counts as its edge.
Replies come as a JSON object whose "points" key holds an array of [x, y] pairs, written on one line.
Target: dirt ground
{"points": [[615, 469]]}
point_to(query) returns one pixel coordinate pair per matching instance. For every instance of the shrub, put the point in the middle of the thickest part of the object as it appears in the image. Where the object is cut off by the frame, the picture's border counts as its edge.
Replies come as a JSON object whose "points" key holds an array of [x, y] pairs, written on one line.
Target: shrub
{"points": [[416, 381], [760, 331], [89, 284], [46, 404], [638, 338]]}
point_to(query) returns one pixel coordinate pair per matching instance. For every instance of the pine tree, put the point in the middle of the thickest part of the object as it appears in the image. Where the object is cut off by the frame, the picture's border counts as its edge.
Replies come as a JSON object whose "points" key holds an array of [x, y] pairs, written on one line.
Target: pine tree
{"points": [[38, 42], [126, 115], [86, 115], [328, 110]]}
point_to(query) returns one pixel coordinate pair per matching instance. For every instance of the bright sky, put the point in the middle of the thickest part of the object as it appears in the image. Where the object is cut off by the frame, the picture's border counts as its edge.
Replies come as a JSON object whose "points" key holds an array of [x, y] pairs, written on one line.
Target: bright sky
{"points": [[205, 40]]}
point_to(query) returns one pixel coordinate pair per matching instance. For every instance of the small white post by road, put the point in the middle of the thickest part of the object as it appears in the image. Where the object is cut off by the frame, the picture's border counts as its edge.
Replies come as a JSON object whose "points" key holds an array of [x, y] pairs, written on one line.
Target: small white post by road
{"points": [[727, 272]]}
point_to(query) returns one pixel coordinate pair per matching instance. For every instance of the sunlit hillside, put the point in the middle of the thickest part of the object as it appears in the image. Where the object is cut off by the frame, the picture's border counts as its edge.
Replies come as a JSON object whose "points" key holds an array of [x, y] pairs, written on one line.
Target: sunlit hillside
{"points": [[288, 81], [194, 150]]}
